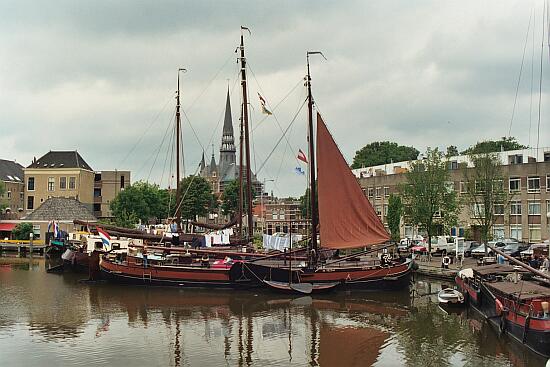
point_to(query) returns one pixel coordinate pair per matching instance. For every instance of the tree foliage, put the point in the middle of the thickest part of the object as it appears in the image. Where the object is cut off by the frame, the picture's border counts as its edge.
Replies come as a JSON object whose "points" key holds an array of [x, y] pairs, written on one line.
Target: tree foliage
{"points": [[305, 204], [485, 191], [452, 151], [491, 146], [429, 201], [197, 197], [22, 231], [395, 210], [140, 201], [230, 198], [381, 152]]}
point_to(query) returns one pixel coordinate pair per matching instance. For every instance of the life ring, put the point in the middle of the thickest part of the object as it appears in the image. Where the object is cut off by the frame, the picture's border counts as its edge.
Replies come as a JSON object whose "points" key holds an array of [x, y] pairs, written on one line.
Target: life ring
{"points": [[446, 261]]}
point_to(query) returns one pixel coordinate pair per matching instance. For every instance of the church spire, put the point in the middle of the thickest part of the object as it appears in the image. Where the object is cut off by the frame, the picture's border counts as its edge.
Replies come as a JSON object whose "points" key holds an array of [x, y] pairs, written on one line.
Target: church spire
{"points": [[227, 148]]}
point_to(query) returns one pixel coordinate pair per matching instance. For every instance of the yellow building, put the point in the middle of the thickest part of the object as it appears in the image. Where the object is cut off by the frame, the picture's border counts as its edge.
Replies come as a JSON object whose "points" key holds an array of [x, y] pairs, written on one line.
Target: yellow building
{"points": [[107, 185], [58, 174]]}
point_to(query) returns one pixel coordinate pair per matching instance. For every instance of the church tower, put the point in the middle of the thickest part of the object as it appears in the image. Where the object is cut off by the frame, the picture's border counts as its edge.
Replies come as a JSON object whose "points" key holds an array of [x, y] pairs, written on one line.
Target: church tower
{"points": [[228, 154]]}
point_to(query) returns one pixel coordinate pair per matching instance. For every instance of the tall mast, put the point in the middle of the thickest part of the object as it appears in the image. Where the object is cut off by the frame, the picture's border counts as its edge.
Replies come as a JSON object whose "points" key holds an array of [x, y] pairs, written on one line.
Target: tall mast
{"points": [[246, 138], [178, 129], [312, 171], [241, 176]]}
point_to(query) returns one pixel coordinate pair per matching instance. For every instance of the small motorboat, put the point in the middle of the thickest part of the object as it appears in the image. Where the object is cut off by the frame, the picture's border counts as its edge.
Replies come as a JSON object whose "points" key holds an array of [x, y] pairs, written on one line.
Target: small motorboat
{"points": [[450, 297], [303, 288]]}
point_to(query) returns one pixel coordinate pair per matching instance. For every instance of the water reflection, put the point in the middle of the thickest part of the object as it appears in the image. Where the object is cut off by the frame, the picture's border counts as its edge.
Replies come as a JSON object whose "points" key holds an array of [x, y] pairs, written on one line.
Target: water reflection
{"points": [[75, 324]]}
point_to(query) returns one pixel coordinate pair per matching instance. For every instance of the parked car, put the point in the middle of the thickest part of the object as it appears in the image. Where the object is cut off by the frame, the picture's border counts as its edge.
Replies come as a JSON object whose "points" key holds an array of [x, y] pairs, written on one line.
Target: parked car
{"points": [[480, 250], [467, 248], [514, 249], [442, 245]]}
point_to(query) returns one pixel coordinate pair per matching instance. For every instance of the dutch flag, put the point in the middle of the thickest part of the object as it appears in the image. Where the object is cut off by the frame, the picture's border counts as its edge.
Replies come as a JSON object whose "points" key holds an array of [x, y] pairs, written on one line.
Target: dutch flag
{"points": [[105, 238]]}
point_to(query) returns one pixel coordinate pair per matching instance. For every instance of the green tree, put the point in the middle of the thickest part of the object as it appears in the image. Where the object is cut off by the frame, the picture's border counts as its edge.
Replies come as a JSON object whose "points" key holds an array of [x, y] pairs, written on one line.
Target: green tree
{"points": [[197, 197], [395, 210], [452, 151], [140, 201], [491, 146], [305, 204], [381, 152], [22, 231], [429, 201], [230, 198], [486, 194]]}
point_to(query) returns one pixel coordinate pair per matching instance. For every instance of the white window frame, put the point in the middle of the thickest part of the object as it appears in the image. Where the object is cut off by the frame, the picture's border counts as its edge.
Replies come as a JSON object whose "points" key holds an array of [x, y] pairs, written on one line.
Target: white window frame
{"points": [[378, 192], [33, 183], [532, 180], [51, 184], [370, 192], [515, 230], [495, 209], [386, 191], [532, 236], [515, 204], [72, 179], [498, 231], [477, 210], [63, 180], [531, 204], [518, 179]]}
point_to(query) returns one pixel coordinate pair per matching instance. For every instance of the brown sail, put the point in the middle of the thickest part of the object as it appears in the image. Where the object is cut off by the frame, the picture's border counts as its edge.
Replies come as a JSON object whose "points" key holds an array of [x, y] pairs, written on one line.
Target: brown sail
{"points": [[346, 217]]}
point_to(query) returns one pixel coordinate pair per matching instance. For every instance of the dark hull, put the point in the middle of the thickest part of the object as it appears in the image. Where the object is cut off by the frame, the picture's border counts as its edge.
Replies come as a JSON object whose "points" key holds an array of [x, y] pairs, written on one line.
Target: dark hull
{"points": [[511, 324], [374, 279]]}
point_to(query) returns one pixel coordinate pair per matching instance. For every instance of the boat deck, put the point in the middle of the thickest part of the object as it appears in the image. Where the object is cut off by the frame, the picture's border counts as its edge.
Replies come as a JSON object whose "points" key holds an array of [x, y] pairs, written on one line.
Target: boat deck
{"points": [[523, 290]]}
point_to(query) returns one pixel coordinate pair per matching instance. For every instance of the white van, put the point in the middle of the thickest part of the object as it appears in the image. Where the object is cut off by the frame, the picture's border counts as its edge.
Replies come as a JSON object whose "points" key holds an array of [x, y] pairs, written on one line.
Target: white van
{"points": [[443, 245]]}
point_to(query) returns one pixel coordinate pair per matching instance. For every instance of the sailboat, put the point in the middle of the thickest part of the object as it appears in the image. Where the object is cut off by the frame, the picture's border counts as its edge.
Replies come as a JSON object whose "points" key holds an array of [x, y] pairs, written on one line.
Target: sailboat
{"points": [[346, 220], [176, 266]]}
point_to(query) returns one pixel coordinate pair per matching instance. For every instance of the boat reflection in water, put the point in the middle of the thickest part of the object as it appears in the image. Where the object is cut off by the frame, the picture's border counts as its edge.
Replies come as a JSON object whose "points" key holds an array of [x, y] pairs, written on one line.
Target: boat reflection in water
{"points": [[64, 322]]}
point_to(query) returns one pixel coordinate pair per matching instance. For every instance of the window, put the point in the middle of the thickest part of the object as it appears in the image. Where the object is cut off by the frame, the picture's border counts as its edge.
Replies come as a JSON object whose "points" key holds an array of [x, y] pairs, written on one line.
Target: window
{"points": [[385, 209], [378, 192], [479, 186], [281, 214], [62, 183], [72, 183], [274, 215], [547, 207], [533, 184], [30, 202], [408, 231], [97, 193], [547, 157], [515, 184], [534, 233], [498, 186], [498, 232], [515, 208], [477, 210], [51, 183], [386, 191], [122, 182], [370, 190], [36, 231], [9, 194], [97, 177], [547, 183], [453, 165], [515, 232], [30, 184], [499, 209], [533, 207], [21, 195], [515, 159], [463, 187], [97, 207], [378, 210]]}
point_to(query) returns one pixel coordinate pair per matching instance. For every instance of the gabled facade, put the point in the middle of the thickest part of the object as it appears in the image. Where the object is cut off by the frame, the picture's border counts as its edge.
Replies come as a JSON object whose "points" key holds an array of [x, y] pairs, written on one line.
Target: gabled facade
{"points": [[58, 174], [12, 176]]}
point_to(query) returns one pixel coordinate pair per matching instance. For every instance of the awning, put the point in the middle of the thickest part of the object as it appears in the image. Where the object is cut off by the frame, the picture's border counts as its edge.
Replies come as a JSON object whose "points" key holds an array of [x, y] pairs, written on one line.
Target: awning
{"points": [[7, 227]]}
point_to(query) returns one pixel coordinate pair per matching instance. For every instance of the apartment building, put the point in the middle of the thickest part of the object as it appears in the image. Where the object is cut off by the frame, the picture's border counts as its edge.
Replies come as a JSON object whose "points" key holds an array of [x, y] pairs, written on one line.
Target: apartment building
{"points": [[12, 176], [526, 175], [107, 185], [58, 174], [282, 215]]}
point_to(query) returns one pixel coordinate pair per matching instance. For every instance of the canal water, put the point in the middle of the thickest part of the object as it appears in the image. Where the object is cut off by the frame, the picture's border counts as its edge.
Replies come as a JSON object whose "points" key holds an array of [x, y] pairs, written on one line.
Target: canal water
{"points": [[54, 320]]}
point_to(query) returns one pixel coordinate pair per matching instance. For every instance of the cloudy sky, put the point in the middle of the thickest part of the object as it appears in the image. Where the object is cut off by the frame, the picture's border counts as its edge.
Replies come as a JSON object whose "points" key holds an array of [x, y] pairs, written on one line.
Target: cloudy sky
{"points": [[100, 76]]}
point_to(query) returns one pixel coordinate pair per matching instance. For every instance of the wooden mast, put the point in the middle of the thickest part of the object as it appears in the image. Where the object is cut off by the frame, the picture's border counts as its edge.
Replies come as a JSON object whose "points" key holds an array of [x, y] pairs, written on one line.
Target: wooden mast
{"points": [[178, 129], [240, 215], [246, 139]]}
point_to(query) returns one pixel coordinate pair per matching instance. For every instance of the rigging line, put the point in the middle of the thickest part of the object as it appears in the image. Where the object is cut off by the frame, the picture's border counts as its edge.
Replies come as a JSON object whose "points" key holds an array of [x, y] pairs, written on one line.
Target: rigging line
{"points": [[188, 187], [192, 129], [274, 116], [145, 162], [280, 139], [168, 155], [181, 150], [272, 109], [158, 151], [540, 78], [146, 130], [210, 82], [532, 76], [519, 76]]}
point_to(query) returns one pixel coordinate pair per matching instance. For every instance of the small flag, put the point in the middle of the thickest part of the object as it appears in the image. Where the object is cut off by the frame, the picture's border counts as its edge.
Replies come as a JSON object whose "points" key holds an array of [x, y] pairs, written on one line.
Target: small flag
{"points": [[56, 229], [262, 103], [299, 171], [50, 225], [105, 238], [302, 156]]}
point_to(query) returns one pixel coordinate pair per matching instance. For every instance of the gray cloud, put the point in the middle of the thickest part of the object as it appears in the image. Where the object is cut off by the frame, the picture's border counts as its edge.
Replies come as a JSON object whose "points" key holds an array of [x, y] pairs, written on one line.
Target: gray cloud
{"points": [[95, 75]]}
